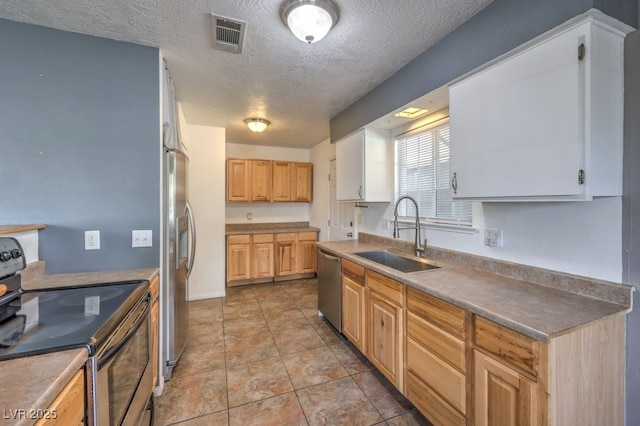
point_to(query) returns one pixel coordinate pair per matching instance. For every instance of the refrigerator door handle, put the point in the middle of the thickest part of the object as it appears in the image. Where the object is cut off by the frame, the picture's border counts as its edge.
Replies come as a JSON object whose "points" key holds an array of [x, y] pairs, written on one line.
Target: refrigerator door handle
{"points": [[192, 227]]}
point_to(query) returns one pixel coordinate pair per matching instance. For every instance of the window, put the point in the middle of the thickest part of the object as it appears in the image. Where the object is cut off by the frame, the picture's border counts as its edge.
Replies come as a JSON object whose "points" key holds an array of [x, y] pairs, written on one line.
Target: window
{"points": [[422, 171]]}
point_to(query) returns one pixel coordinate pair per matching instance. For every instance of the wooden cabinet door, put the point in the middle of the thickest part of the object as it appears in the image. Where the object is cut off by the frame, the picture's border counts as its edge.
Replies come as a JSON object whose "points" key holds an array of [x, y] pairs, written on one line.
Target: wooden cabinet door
{"points": [[238, 257], [301, 182], [384, 331], [307, 253], [154, 341], [238, 180], [353, 312], [350, 167], [286, 254], [281, 190], [69, 405], [261, 180], [502, 396], [262, 258]]}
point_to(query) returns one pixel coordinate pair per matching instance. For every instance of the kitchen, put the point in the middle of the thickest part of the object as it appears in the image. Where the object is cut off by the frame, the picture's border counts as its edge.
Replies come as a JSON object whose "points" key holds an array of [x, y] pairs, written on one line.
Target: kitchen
{"points": [[594, 239]]}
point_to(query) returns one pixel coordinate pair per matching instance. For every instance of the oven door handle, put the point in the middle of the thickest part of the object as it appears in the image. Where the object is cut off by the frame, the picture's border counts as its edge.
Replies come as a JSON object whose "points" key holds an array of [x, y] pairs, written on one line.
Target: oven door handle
{"points": [[141, 316]]}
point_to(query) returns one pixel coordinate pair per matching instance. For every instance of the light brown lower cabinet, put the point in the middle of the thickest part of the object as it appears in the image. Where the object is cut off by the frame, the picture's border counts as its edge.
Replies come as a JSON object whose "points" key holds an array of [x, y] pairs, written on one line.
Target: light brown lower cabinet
{"points": [[307, 252], [459, 368], [238, 257], [385, 326], [69, 405], [155, 338], [262, 252], [286, 254]]}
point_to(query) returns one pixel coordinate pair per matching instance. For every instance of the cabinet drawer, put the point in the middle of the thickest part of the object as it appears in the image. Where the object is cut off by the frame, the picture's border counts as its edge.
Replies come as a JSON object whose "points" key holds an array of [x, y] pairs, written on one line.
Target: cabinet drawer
{"points": [[446, 346], [443, 314], [439, 375], [353, 271], [307, 236], [238, 239], [390, 289], [262, 238], [285, 237], [69, 404], [430, 404], [516, 349]]}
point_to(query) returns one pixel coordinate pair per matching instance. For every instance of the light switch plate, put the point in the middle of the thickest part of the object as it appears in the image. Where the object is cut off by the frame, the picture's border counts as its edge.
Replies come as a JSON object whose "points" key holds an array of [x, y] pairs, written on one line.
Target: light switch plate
{"points": [[493, 237], [141, 238]]}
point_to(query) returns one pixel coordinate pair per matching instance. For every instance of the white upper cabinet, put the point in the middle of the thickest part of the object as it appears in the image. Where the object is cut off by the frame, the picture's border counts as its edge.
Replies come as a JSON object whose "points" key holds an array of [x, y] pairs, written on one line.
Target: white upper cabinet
{"points": [[363, 168], [544, 121]]}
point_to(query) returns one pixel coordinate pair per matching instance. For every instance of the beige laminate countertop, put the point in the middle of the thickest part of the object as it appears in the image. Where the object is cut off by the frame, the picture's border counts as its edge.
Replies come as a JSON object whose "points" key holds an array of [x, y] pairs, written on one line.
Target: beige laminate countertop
{"points": [[534, 310], [32, 383], [268, 228], [34, 277]]}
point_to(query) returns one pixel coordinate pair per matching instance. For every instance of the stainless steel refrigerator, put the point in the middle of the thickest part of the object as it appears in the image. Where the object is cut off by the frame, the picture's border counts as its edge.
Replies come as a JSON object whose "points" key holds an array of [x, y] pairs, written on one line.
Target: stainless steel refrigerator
{"points": [[179, 243]]}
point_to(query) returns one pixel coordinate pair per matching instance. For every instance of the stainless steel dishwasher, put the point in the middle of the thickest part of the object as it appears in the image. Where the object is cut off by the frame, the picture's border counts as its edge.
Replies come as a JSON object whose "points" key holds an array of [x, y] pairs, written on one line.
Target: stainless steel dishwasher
{"points": [[330, 288]]}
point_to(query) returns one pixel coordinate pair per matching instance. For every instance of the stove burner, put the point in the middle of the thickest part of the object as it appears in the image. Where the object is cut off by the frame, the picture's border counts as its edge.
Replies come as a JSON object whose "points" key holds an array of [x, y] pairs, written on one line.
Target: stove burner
{"points": [[105, 293]]}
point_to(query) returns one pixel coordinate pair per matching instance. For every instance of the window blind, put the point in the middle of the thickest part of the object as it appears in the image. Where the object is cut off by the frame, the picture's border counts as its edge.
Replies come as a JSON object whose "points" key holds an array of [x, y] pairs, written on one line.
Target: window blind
{"points": [[422, 171]]}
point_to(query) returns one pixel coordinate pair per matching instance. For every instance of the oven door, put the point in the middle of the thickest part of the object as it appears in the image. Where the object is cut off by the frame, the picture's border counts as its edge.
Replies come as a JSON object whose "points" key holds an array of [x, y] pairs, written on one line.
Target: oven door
{"points": [[122, 377]]}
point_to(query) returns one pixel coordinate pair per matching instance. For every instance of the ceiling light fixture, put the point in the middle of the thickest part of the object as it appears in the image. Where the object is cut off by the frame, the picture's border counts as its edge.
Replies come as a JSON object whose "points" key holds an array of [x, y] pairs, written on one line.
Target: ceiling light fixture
{"points": [[411, 112], [309, 20], [257, 125]]}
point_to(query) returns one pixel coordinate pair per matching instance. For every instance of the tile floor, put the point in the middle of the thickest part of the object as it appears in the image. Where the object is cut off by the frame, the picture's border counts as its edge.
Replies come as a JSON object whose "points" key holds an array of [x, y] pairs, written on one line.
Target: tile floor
{"points": [[262, 356]]}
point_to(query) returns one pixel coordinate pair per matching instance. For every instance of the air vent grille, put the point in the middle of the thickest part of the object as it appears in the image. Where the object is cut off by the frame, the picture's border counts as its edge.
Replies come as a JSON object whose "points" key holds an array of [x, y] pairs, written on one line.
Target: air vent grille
{"points": [[228, 34]]}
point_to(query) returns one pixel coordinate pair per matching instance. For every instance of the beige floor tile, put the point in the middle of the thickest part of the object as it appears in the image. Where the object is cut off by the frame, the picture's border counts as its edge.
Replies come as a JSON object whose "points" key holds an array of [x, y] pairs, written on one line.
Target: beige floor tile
{"points": [[237, 293], [205, 333], [241, 309], [250, 349], [205, 315], [351, 358], [208, 304], [200, 358], [327, 333], [192, 396], [382, 394], [271, 305], [257, 380], [410, 418], [283, 319], [216, 419], [312, 367], [281, 410], [301, 339], [245, 327], [339, 402], [269, 291]]}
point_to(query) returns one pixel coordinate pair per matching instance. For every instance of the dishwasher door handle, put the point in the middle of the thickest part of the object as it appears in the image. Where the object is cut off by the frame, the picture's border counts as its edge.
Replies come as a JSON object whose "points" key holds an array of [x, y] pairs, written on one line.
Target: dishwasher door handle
{"points": [[329, 257]]}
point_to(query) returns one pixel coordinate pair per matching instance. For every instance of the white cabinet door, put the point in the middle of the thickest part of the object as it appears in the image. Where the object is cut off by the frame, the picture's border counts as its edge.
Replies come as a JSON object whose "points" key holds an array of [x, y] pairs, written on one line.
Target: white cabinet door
{"points": [[350, 167], [531, 125]]}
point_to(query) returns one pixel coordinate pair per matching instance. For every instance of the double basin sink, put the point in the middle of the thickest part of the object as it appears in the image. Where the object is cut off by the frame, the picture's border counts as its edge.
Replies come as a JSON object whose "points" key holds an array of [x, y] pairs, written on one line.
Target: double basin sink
{"points": [[397, 260]]}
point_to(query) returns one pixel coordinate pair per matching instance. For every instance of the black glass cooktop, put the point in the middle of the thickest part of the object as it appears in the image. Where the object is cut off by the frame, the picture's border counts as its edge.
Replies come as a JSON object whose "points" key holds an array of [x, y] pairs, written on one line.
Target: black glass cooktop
{"points": [[58, 319]]}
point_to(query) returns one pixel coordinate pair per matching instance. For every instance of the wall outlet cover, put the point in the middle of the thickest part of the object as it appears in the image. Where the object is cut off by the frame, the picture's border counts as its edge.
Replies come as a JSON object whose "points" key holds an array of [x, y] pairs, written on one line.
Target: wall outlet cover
{"points": [[493, 237], [142, 238], [92, 240]]}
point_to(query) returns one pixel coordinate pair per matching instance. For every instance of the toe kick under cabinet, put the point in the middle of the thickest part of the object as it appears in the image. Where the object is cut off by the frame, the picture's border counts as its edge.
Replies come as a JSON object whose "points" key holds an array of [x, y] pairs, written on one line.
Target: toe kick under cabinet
{"points": [[459, 368], [266, 257]]}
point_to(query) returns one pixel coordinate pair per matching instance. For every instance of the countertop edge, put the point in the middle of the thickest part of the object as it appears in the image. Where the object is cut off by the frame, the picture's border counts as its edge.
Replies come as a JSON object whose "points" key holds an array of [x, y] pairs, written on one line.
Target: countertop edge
{"points": [[13, 229]]}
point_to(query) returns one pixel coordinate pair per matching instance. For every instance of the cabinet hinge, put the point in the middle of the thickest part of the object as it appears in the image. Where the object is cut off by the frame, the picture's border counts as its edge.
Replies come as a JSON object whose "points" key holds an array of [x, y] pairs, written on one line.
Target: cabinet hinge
{"points": [[581, 177], [582, 50]]}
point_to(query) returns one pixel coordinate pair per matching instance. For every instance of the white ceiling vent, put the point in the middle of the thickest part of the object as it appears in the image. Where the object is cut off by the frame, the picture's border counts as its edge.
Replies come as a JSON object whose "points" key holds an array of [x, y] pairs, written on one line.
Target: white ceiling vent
{"points": [[228, 34]]}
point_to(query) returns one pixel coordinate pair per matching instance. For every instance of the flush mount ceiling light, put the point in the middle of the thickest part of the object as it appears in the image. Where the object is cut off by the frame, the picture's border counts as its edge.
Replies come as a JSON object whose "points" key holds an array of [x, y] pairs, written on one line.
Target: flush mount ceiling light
{"points": [[257, 125], [411, 112], [309, 20]]}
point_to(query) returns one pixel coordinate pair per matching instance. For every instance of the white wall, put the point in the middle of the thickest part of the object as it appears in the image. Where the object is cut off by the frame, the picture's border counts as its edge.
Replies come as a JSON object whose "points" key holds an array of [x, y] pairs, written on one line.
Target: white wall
{"points": [[320, 155], [207, 197], [266, 212]]}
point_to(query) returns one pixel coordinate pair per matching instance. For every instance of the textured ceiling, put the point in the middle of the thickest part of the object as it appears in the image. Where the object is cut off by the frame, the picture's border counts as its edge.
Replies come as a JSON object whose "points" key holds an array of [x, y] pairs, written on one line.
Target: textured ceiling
{"points": [[298, 87]]}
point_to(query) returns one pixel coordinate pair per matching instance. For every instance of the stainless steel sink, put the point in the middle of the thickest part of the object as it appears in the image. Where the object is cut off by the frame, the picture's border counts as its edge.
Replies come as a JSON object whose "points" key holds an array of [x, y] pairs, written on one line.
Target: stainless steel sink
{"points": [[397, 261]]}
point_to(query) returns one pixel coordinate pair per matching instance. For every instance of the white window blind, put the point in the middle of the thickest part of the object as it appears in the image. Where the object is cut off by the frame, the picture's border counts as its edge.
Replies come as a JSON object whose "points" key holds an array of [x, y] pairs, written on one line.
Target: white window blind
{"points": [[422, 171]]}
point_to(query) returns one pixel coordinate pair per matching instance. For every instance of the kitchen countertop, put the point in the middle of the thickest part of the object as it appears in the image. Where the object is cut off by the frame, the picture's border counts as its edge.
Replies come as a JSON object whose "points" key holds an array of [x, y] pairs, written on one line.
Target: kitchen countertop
{"points": [[268, 228], [34, 277], [32, 383], [538, 311], [11, 229]]}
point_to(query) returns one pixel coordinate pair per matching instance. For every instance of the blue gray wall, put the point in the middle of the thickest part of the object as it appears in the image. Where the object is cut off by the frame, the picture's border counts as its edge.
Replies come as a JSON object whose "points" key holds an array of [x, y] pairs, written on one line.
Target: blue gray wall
{"points": [[80, 144], [631, 219], [501, 26]]}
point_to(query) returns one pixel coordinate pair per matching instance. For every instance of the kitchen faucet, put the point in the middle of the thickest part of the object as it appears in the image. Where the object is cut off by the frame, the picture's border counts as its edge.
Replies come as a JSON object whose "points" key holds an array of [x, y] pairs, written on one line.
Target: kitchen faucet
{"points": [[396, 230]]}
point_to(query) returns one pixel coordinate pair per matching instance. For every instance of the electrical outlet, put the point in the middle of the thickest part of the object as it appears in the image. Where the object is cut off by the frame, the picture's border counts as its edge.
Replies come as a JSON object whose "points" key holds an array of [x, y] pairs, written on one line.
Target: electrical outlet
{"points": [[141, 238], [249, 216], [493, 237], [92, 240]]}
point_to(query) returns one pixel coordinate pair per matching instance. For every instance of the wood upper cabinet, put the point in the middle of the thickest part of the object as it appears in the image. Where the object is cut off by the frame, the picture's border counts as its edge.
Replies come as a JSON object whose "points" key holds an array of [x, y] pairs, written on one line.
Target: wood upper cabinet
{"points": [[267, 180], [238, 180], [353, 304], [281, 181], [301, 182], [261, 181], [385, 326]]}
